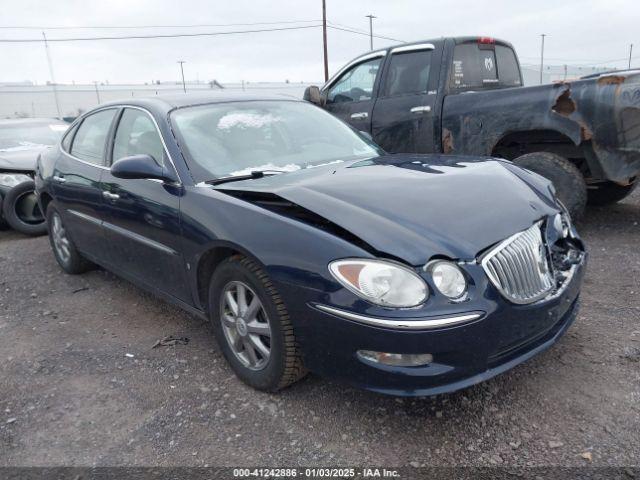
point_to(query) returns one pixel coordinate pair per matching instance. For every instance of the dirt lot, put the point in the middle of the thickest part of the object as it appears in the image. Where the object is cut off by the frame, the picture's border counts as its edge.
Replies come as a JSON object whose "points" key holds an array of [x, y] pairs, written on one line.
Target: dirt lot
{"points": [[81, 385]]}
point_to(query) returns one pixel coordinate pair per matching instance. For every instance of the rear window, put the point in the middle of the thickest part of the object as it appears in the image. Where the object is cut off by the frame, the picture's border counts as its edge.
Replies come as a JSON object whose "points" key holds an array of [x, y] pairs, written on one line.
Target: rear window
{"points": [[478, 66], [408, 73]]}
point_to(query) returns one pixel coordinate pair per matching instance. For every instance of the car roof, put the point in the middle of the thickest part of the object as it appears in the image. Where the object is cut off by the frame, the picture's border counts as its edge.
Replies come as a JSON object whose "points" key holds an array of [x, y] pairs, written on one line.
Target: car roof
{"points": [[169, 102]]}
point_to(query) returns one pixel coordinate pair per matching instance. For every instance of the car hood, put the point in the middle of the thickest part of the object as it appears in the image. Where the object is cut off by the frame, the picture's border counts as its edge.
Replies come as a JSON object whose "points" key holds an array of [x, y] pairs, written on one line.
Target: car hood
{"points": [[416, 206], [21, 158]]}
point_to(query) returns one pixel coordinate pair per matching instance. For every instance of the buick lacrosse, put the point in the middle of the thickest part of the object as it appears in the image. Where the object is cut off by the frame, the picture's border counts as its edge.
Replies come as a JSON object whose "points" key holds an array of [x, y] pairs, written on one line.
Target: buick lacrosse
{"points": [[310, 249]]}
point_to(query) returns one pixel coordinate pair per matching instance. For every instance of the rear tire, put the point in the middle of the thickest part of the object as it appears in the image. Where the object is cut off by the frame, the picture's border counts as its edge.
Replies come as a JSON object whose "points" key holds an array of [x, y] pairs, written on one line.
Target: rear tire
{"points": [[21, 211], [276, 362], [569, 183], [607, 193], [64, 250]]}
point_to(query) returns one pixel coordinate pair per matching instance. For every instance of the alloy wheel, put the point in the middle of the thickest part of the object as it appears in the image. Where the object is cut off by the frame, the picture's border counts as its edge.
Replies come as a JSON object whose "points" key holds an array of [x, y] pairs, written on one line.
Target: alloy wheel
{"points": [[245, 325], [60, 239]]}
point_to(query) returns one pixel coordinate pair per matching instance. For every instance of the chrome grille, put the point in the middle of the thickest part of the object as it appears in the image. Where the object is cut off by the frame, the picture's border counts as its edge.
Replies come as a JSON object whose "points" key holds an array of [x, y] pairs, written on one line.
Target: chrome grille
{"points": [[519, 267]]}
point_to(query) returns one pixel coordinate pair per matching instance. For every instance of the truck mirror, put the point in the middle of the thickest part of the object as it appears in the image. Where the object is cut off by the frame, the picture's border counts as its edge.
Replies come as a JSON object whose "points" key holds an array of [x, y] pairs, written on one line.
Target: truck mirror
{"points": [[312, 94]]}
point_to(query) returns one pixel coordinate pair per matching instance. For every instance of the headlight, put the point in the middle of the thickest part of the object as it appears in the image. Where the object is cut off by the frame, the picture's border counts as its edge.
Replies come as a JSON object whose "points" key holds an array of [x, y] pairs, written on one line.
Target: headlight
{"points": [[381, 282], [448, 278], [13, 179], [562, 224]]}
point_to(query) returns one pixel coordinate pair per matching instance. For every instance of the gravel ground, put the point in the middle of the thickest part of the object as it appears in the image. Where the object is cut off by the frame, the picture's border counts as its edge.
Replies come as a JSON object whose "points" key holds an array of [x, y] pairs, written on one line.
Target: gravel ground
{"points": [[82, 385]]}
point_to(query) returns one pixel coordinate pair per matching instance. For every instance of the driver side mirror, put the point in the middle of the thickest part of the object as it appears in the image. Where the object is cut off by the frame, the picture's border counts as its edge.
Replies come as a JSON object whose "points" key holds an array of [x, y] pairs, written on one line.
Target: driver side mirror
{"points": [[140, 167], [312, 94]]}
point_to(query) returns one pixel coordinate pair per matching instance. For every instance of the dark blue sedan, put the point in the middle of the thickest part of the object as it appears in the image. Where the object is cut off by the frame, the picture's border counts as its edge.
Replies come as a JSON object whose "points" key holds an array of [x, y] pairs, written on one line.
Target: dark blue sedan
{"points": [[309, 248]]}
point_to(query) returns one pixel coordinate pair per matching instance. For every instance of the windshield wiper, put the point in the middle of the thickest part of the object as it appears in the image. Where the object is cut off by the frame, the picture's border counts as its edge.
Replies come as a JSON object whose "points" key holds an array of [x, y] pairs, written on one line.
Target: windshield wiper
{"points": [[249, 176]]}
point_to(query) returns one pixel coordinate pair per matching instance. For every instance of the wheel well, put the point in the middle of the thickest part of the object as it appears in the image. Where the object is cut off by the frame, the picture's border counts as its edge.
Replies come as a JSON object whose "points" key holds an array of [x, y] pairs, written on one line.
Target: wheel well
{"points": [[206, 266], [515, 144]]}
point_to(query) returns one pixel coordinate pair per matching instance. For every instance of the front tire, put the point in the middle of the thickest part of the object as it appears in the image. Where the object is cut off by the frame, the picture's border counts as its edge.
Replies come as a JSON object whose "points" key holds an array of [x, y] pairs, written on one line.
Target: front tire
{"points": [[252, 326], [568, 181], [607, 193], [64, 250], [21, 211]]}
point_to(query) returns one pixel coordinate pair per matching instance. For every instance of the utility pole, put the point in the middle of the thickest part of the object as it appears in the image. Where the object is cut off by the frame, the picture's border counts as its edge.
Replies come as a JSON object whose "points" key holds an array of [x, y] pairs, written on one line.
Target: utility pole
{"points": [[371, 17], [542, 57], [184, 87], [53, 79], [630, 52], [324, 40], [95, 83]]}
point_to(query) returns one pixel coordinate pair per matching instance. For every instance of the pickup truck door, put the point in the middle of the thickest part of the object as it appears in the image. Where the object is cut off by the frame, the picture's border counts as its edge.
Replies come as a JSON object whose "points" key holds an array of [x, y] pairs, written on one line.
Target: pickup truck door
{"points": [[350, 95], [403, 116]]}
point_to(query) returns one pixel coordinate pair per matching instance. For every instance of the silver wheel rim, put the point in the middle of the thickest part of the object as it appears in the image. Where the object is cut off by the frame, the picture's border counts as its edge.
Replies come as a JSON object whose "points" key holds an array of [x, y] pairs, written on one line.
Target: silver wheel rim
{"points": [[60, 240], [245, 325]]}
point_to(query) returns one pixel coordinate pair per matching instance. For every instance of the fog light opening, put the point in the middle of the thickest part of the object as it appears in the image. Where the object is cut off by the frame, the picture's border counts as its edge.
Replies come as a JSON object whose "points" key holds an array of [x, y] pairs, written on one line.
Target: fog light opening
{"points": [[397, 359]]}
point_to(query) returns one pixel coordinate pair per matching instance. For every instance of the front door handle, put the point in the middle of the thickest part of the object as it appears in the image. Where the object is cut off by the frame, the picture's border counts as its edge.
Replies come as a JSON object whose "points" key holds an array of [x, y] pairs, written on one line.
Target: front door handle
{"points": [[110, 196], [58, 179], [421, 109], [359, 116]]}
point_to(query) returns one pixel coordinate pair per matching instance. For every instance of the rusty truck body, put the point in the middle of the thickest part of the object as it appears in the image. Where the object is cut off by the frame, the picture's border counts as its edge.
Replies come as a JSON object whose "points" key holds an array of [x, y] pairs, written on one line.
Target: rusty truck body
{"points": [[465, 95]]}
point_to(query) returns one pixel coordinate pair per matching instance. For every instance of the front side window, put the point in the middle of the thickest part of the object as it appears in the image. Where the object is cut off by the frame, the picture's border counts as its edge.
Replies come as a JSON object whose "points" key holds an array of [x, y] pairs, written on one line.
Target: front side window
{"points": [[137, 135], [229, 139], [90, 140], [408, 73], [356, 84]]}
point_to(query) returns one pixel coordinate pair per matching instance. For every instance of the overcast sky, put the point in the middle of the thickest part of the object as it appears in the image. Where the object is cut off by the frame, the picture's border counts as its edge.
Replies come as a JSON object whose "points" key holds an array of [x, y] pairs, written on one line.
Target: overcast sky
{"points": [[579, 32]]}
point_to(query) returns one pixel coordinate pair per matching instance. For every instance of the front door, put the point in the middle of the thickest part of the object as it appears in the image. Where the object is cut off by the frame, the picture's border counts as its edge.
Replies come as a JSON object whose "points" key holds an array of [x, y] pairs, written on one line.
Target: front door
{"points": [[351, 96], [403, 120], [142, 217], [76, 181]]}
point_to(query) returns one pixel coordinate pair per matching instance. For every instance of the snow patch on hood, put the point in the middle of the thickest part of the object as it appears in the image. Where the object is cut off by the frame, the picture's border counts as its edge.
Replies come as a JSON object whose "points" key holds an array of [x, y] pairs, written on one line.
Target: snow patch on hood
{"points": [[23, 147]]}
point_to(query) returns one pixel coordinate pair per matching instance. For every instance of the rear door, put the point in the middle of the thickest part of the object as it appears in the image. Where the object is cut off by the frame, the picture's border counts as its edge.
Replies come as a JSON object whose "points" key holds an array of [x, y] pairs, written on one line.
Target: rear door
{"points": [[350, 96], [403, 116], [142, 217], [76, 181]]}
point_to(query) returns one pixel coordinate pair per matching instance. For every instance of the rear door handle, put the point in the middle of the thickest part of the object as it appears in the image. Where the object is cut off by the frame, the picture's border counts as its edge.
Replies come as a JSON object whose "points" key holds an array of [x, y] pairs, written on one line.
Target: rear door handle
{"points": [[359, 115], [421, 109], [110, 196], [58, 179]]}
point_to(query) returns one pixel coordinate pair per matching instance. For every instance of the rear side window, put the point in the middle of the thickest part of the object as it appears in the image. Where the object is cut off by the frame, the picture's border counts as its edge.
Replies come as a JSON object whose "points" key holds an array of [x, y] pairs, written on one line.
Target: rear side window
{"points": [[90, 141], [408, 73], [508, 70], [478, 66], [66, 141]]}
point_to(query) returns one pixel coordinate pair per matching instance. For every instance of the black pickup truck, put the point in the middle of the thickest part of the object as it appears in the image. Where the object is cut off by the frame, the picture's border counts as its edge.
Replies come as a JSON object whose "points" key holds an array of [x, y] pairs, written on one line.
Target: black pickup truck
{"points": [[465, 95]]}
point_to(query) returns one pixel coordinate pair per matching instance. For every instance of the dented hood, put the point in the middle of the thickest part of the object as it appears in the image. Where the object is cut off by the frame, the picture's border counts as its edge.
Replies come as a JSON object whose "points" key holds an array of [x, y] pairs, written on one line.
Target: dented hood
{"points": [[416, 206]]}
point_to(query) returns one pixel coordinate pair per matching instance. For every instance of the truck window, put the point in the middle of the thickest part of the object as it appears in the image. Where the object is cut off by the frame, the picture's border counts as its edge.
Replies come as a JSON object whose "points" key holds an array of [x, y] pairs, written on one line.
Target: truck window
{"points": [[408, 73], [356, 84], [508, 70], [473, 67]]}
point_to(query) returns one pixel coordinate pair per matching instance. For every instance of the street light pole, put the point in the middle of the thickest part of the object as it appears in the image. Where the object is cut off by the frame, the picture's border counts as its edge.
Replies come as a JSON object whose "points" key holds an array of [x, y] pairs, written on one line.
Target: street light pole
{"points": [[184, 87], [630, 52], [324, 40], [371, 17], [97, 92], [542, 57], [53, 79]]}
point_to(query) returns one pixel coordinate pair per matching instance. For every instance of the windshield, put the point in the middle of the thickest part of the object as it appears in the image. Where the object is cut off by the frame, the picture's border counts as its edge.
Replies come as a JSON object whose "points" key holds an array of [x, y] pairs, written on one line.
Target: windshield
{"points": [[229, 139], [29, 135]]}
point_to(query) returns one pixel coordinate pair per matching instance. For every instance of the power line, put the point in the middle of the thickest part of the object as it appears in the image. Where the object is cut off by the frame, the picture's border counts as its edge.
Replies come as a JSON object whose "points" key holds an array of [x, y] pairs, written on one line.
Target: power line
{"points": [[364, 33], [116, 27], [138, 37]]}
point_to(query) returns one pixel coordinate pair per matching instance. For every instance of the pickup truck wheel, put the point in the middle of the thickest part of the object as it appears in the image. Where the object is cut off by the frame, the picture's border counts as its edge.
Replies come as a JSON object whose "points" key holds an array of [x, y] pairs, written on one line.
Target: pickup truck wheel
{"points": [[569, 183], [21, 211], [64, 250], [252, 326], [607, 193]]}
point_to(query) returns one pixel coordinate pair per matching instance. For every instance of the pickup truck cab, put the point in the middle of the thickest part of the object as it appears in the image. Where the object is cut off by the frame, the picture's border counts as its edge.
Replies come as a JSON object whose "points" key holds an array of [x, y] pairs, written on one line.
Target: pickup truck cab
{"points": [[465, 96]]}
